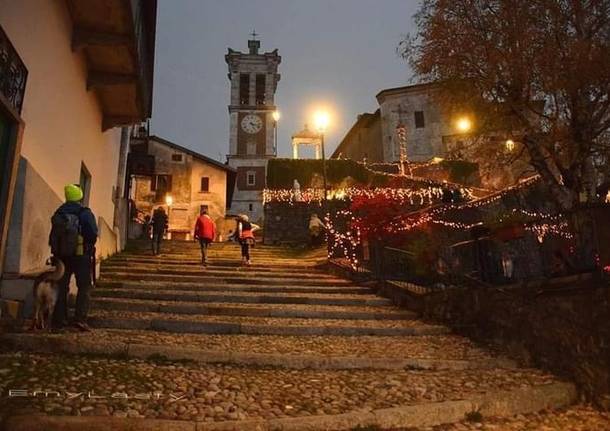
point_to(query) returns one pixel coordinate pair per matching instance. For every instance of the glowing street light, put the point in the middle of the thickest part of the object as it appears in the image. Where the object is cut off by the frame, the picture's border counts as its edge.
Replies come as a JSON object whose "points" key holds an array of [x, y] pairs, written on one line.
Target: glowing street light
{"points": [[321, 121], [169, 200], [510, 145], [464, 124], [276, 115]]}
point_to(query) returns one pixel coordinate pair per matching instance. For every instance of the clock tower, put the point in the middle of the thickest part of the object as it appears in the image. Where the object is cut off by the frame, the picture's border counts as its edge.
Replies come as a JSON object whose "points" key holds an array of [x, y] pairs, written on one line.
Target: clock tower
{"points": [[254, 79]]}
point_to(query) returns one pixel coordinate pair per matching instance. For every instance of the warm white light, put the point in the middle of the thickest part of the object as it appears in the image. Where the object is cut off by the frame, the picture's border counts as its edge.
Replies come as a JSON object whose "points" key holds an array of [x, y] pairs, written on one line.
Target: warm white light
{"points": [[510, 145], [464, 124], [169, 200], [276, 115], [321, 120]]}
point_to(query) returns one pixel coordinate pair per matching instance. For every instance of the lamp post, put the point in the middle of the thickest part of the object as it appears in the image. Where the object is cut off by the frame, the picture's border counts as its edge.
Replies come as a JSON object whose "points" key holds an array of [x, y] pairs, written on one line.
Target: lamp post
{"points": [[321, 121], [169, 201], [276, 117]]}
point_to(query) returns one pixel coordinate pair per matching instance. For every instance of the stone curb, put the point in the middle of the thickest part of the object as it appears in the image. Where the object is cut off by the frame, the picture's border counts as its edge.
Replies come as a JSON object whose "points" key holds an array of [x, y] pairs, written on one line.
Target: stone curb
{"points": [[236, 298], [197, 327], [202, 309], [56, 344], [501, 403]]}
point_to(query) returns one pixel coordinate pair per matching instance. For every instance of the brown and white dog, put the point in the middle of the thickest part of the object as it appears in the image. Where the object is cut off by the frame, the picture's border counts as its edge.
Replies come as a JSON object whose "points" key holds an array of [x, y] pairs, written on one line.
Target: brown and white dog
{"points": [[46, 288]]}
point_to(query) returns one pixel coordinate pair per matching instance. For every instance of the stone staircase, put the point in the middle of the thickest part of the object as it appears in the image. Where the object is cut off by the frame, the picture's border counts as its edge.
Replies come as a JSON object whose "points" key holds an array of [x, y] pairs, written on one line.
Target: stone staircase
{"points": [[280, 345]]}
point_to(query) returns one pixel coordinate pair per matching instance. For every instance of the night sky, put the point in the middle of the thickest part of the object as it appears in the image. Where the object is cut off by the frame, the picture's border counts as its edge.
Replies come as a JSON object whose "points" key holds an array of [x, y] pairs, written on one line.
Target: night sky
{"points": [[335, 53]]}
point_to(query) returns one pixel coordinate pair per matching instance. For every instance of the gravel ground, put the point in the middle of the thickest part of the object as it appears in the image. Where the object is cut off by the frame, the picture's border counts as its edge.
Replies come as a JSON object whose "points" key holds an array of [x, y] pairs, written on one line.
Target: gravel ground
{"points": [[448, 347], [226, 392], [270, 321]]}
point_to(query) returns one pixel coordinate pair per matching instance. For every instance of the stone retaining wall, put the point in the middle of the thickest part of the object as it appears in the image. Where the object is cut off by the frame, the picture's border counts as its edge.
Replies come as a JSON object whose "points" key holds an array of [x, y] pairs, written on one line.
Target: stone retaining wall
{"points": [[565, 329]]}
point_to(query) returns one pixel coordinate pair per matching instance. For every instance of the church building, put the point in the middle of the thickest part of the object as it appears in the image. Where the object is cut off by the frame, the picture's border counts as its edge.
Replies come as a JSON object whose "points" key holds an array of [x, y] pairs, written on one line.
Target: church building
{"points": [[254, 77]]}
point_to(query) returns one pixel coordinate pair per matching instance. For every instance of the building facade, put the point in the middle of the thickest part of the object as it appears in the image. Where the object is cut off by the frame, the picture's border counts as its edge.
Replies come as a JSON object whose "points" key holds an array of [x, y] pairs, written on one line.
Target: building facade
{"points": [[85, 72], [363, 141], [254, 77], [183, 182], [414, 107]]}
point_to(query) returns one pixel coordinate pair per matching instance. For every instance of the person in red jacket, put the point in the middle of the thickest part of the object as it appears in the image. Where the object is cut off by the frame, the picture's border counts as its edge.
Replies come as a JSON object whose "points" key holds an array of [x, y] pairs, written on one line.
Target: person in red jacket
{"points": [[205, 232]]}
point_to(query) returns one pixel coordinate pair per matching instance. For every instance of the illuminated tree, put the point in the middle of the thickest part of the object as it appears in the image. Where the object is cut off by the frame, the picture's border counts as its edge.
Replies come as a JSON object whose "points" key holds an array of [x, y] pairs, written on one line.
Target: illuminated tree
{"points": [[540, 68]]}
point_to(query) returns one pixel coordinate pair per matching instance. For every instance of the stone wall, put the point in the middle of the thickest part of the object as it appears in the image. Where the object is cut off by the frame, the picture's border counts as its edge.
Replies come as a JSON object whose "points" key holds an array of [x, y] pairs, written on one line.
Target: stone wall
{"points": [[288, 223], [562, 328]]}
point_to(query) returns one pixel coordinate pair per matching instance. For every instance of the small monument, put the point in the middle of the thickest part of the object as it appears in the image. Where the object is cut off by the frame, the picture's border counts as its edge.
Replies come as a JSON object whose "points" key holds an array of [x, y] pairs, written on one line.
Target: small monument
{"points": [[296, 192], [306, 137]]}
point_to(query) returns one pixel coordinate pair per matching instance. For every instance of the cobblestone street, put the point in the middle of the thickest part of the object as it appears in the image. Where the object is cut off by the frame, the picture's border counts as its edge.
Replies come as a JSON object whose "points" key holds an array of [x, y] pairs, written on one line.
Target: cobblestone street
{"points": [[279, 341]]}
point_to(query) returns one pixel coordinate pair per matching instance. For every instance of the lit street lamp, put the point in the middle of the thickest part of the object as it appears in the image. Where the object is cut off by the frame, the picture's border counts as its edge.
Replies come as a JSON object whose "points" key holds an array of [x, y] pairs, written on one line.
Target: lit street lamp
{"points": [[510, 145], [464, 124], [169, 202], [276, 117], [321, 120]]}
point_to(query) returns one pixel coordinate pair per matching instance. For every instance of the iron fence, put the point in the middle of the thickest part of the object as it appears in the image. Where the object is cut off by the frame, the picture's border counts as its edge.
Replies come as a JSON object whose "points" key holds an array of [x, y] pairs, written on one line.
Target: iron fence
{"points": [[13, 73]]}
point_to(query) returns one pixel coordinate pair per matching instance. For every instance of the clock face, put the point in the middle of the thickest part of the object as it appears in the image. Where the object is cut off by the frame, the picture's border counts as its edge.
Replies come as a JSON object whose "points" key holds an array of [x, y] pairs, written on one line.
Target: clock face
{"points": [[251, 124]]}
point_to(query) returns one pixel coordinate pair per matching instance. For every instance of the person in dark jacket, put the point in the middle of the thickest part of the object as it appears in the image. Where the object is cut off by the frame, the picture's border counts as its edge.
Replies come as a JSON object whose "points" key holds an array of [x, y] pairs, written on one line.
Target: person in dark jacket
{"points": [[79, 264], [159, 226]]}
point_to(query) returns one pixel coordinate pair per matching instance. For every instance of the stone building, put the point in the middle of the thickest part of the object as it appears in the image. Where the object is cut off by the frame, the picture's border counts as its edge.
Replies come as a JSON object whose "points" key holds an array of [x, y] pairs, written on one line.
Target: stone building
{"points": [[254, 77], [430, 133], [374, 136], [363, 140], [72, 73], [183, 181]]}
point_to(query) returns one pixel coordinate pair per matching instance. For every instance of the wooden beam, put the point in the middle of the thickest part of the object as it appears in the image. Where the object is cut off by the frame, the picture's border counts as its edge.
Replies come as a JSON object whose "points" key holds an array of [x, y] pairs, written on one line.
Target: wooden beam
{"points": [[104, 79], [110, 121], [83, 37]]}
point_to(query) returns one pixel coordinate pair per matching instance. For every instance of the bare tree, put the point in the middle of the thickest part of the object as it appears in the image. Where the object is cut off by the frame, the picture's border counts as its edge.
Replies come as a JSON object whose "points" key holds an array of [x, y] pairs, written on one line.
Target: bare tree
{"points": [[545, 63]]}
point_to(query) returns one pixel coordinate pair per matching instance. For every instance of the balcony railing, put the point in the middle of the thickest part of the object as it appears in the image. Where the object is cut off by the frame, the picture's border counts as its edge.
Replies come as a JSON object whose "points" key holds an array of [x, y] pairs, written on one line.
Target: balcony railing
{"points": [[13, 73]]}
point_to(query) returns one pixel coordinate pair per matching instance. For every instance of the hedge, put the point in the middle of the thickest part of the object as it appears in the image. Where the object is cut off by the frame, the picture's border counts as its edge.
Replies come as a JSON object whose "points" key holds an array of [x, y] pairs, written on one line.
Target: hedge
{"points": [[281, 173]]}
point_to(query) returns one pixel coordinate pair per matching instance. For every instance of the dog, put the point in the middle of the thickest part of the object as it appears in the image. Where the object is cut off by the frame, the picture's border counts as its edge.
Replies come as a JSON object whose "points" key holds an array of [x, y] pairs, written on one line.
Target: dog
{"points": [[46, 289]]}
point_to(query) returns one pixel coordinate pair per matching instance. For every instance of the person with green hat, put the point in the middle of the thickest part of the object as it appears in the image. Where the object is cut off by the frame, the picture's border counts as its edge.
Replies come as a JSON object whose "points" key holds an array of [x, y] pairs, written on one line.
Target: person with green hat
{"points": [[72, 239]]}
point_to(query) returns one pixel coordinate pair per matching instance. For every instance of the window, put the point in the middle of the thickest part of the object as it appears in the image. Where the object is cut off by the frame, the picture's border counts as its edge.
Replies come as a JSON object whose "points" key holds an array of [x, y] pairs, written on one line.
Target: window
{"points": [[251, 178], [85, 183], [250, 207], [419, 120], [176, 157], [205, 184], [161, 183], [260, 89], [244, 89]]}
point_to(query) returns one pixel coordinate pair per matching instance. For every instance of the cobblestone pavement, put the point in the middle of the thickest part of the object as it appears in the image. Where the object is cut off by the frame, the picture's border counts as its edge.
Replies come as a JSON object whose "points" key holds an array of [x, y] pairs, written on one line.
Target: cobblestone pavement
{"points": [[226, 392], [285, 289], [577, 418], [449, 347]]}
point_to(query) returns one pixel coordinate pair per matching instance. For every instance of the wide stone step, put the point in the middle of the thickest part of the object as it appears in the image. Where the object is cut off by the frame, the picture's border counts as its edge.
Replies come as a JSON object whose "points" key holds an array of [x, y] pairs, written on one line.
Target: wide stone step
{"points": [[259, 310], [242, 297], [380, 353], [224, 264], [266, 398], [242, 277], [217, 272], [180, 323], [223, 287]]}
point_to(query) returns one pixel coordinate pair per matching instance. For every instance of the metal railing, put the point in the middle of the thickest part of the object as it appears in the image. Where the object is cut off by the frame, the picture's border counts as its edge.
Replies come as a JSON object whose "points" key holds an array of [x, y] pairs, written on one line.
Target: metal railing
{"points": [[13, 73]]}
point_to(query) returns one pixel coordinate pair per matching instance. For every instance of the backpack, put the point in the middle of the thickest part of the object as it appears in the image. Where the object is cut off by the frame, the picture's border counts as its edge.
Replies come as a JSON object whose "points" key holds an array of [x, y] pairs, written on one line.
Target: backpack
{"points": [[65, 232]]}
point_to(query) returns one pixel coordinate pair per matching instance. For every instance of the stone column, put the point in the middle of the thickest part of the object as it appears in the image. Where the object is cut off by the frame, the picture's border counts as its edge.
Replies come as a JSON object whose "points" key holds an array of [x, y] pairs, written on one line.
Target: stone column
{"points": [[317, 151], [295, 150]]}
